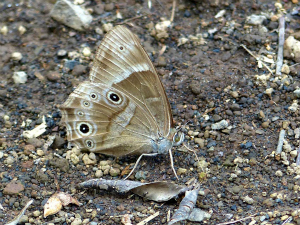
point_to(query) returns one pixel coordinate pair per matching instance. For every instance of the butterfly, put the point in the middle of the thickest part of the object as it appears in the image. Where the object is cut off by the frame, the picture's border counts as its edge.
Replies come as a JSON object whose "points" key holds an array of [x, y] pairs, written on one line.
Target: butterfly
{"points": [[123, 108]]}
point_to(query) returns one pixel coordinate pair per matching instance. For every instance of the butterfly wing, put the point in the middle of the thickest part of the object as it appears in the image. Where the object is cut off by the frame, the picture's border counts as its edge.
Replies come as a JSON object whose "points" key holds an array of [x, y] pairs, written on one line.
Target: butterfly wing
{"points": [[123, 107], [121, 62]]}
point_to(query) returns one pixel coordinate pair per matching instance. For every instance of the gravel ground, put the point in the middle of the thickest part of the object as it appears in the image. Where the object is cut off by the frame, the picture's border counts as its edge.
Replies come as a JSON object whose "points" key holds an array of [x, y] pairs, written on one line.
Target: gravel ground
{"points": [[236, 109]]}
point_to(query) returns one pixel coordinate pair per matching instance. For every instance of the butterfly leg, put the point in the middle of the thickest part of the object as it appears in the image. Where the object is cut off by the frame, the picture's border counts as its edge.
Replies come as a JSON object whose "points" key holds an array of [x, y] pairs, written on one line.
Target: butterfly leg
{"points": [[172, 164], [137, 162]]}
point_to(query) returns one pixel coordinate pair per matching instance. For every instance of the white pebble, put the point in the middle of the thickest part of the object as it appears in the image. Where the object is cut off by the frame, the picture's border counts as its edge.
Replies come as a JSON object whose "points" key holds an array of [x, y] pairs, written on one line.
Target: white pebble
{"points": [[6, 117], [22, 30], [86, 51], [40, 152], [279, 173], [107, 27], [20, 77], [285, 69], [248, 200], [4, 30], [16, 56], [220, 125], [294, 153], [269, 91], [99, 173]]}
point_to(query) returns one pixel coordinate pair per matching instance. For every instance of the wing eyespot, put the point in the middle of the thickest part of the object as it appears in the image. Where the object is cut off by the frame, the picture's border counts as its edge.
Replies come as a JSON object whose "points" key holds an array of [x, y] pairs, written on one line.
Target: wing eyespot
{"points": [[89, 144], [121, 48], [85, 129], [80, 113], [114, 97], [86, 103], [93, 96]]}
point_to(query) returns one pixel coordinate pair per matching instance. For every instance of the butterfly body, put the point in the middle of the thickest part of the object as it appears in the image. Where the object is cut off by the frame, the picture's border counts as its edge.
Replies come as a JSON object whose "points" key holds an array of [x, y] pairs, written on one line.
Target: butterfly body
{"points": [[123, 108]]}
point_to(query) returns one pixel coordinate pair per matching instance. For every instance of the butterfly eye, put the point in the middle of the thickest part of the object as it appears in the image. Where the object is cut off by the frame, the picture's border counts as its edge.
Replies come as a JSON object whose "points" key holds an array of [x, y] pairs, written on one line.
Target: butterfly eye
{"points": [[93, 96], [114, 97], [178, 138]]}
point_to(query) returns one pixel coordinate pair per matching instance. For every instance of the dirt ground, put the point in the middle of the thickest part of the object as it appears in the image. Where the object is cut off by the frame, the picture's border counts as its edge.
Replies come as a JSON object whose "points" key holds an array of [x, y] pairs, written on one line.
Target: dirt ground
{"points": [[208, 78]]}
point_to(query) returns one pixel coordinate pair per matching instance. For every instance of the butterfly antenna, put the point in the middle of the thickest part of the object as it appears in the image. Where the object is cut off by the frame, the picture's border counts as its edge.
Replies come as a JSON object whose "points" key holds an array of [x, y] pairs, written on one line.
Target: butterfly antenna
{"points": [[172, 164], [193, 151], [137, 162], [178, 128]]}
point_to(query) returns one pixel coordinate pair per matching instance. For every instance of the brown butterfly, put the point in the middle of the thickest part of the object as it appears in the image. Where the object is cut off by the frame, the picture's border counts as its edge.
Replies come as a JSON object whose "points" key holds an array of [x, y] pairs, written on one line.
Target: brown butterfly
{"points": [[123, 108]]}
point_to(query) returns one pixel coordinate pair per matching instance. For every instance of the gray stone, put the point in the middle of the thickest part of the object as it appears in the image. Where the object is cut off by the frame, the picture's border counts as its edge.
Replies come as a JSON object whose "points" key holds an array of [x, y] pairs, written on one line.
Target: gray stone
{"points": [[198, 215], [71, 15]]}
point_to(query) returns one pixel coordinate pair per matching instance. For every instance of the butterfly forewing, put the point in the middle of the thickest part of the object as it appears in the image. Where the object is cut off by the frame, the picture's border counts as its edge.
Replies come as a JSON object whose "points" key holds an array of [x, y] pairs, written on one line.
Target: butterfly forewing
{"points": [[121, 56]]}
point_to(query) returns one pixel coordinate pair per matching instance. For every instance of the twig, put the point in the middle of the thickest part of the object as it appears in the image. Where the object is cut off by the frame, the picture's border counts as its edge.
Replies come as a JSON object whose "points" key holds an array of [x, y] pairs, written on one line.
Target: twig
{"points": [[236, 221], [1, 207], [257, 58], [133, 18], [280, 142], [16, 220], [148, 219], [296, 64], [280, 45], [149, 4], [287, 220], [298, 157], [173, 11]]}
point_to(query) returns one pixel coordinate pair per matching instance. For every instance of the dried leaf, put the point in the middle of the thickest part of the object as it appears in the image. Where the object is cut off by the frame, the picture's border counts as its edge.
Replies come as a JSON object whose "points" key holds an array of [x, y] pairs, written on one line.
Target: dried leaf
{"points": [[56, 201], [120, 186], [186, 206], [159, 191], [156, 191]]}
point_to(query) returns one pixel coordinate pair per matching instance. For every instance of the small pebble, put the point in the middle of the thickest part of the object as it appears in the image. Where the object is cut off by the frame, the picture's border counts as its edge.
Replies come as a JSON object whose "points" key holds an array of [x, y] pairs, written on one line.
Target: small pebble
{"points": [[99, 173], [4, 30], [21, 30], [285, 69], [265, 124], [234, 94], [62, 53], [20, 77], [40, 152], [23, 219], [114, 172], [16, 56], [107, 27], [181, 171], [248, 200], [220, 125], [86, 51], [74, 158], [36, 213], [77, 221], [279, 173], [200, 142], [141, 175], [10, 160], [53, 76], [87, 161]]}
